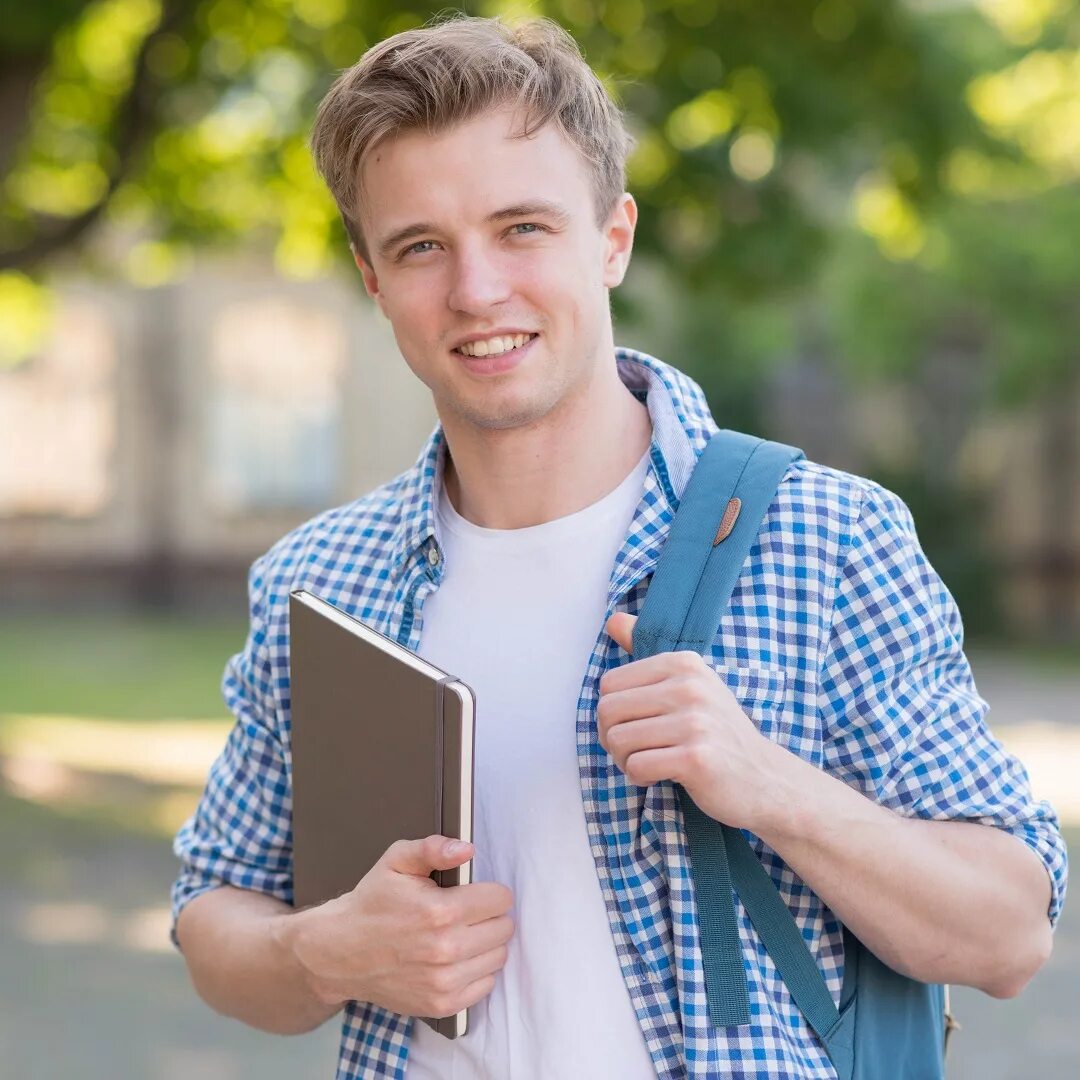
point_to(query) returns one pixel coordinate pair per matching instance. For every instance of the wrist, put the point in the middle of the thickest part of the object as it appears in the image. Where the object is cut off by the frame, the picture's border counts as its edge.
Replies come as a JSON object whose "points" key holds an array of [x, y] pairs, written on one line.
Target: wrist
{"points": [[787, 812], [298, 938]]}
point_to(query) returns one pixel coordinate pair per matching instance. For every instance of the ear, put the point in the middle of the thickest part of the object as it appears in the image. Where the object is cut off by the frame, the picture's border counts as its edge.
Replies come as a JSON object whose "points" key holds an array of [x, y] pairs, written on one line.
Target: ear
{"points": [[371, 281], [619, 239]]}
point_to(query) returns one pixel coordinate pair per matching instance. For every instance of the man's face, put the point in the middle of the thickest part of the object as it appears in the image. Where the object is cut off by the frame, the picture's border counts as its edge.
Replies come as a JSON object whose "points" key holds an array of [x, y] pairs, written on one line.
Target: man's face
{"points": [[506, 243]]}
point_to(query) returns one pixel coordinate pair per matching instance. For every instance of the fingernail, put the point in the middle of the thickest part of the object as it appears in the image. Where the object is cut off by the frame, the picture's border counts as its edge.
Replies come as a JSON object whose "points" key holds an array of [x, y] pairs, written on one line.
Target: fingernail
{"points": [[456, 847]]}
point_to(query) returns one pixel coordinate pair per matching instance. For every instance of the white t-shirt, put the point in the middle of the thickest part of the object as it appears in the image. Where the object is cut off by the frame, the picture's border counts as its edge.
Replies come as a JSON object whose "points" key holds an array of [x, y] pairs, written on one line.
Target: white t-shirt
{"points": [[516, 617]]}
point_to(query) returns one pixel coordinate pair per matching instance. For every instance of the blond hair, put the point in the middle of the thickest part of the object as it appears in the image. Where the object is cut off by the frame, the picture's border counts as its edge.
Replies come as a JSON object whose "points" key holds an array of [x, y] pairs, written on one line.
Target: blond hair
{"points": [[455, 69]]}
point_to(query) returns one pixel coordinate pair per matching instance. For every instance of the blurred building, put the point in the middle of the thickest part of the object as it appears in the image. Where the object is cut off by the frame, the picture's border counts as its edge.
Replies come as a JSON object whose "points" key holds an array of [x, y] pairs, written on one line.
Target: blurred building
{"points": [[163, 438], [1023, 465]]}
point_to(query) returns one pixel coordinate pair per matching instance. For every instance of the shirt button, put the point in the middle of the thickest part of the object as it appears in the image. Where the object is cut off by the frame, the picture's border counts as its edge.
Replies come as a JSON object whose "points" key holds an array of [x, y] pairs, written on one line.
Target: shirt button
{"points": [[433, 555]]}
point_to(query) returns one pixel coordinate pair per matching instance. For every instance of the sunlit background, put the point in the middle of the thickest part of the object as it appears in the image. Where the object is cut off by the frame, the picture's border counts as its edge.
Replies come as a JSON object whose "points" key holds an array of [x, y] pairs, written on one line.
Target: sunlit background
{"points": [[860, 232]]}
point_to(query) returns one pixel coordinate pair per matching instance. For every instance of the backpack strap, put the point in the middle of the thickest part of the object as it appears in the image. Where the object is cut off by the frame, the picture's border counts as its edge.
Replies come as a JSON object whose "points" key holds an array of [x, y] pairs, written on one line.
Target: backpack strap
{"points": [[709, 540], [715, 527]]}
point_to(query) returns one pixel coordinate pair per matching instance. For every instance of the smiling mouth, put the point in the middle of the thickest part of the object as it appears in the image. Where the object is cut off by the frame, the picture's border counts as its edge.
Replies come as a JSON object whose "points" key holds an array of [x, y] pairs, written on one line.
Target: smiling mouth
{"points": [[495, 347]]}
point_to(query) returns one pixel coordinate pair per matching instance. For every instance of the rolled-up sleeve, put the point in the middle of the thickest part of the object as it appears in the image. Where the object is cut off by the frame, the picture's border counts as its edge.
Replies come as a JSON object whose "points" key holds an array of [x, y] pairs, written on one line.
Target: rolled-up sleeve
{"points": [[901, 718], [241, 831]]}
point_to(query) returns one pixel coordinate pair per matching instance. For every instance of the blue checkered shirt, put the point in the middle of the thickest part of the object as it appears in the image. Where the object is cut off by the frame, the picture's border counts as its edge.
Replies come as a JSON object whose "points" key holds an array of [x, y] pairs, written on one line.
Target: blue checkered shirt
{"points": [[841, 643]]}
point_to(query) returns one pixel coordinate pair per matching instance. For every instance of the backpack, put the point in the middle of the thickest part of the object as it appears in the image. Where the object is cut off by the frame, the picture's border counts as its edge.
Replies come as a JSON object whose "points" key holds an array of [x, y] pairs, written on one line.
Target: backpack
{"points": [[887, 1026]]}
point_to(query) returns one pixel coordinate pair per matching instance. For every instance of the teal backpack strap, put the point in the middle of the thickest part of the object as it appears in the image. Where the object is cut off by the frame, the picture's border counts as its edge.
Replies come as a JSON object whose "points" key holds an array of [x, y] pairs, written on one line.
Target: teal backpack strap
{"points": [[693, 581], [689, 595], [781, 936], [716, 525]]}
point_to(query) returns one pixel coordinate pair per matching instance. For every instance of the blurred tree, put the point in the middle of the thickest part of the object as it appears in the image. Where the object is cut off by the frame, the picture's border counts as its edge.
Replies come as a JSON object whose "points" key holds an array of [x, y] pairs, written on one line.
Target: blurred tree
{"points": [[990, 271], [186, 120]]}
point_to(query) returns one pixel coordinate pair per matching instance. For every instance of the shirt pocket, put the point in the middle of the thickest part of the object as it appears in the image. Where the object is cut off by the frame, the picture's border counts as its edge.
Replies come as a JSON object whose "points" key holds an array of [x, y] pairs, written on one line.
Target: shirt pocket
{"points": [[761, 691]]}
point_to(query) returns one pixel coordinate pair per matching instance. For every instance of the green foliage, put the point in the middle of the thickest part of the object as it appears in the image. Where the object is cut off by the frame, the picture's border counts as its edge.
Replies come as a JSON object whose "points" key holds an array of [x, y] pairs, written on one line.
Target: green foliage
{"points": [[1004, 277], [874, 175], [752, 118], [29, 29]]}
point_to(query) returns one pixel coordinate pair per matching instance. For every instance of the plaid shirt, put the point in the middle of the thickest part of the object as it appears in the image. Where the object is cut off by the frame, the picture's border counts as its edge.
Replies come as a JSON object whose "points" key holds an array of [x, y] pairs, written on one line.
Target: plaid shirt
{"points": [[841, 643]]}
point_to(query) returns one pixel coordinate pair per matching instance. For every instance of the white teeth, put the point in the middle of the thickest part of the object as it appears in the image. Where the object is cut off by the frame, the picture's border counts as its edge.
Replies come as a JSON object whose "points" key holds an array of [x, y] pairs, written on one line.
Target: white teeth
{"points": [[494, 346]]}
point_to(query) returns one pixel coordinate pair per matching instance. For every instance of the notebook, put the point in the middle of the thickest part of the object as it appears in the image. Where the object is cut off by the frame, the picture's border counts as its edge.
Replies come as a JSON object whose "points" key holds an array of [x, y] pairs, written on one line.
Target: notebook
{"points": [[382, 750]]}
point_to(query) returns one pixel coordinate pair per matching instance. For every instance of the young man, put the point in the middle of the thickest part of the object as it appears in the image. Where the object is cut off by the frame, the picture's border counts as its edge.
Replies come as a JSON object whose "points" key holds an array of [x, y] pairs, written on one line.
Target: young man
{"points": [[480, 172]]}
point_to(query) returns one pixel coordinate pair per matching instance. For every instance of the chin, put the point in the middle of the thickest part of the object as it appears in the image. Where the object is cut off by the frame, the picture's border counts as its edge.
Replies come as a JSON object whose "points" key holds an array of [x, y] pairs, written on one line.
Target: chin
{"points": [[512, 411], [505, 420]]}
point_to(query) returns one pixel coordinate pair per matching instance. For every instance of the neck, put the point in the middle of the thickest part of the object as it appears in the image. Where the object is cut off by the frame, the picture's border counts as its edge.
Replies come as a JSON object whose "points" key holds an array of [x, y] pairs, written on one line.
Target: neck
{"points": [[519, 477]]}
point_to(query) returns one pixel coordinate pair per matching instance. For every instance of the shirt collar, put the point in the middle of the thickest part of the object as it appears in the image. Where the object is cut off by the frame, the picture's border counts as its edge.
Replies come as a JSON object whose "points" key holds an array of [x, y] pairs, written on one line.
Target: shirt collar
{"points": [[682, 425]]}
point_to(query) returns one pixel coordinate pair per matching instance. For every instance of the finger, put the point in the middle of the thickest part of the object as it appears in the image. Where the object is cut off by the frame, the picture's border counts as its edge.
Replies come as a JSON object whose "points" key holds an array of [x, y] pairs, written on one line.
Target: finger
{"points": [[420, 857], [635, 736], [656, 699], [473, 993], [478, 901], [645, 767], [466, 972], [650, 670], [482, 937], [620, 627]]}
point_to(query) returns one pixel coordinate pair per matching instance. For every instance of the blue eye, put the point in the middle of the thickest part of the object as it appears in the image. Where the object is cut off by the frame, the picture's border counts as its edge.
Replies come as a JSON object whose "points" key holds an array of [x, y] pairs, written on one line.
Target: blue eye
{"points": [[413, 247]]}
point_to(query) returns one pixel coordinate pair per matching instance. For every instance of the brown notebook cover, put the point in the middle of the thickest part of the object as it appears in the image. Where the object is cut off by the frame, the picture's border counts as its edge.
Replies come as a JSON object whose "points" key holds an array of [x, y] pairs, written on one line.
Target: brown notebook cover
{"points": [[382, 750]]}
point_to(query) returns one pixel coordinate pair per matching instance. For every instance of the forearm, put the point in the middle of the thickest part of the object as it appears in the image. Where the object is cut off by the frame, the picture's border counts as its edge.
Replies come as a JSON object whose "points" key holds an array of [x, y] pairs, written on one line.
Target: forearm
{"points": [[241, 963], [940, 901]]}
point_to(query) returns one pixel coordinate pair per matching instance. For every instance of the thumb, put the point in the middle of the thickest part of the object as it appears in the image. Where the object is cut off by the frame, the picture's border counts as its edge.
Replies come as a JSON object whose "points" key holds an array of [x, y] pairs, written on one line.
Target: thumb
{"points": [[420, 857], [621, 627]]}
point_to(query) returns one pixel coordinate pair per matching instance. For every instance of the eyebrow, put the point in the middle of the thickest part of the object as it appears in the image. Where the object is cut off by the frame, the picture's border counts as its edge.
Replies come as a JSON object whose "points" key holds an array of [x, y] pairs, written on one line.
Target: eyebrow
{"points": [[533, 208]]}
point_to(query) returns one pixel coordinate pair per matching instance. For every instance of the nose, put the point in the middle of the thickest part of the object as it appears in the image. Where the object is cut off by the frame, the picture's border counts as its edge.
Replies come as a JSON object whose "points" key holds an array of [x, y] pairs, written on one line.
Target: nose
{"points": [[479, 280]]}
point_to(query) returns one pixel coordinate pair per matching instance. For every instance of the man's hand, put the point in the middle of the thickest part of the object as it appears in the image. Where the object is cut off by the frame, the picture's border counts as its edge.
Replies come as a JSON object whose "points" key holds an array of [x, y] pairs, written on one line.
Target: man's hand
{"points": [[670, 717], [401, 941]]}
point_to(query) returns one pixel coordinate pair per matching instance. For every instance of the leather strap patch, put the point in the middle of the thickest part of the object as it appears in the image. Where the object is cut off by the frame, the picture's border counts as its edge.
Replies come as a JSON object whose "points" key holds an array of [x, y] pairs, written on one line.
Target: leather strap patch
{"points": [[727, 522]]}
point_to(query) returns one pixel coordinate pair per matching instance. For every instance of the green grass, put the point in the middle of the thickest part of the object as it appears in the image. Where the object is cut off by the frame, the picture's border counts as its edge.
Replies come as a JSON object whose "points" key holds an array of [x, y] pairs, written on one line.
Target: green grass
{"points": [[121, 666], [1058, 659]]}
